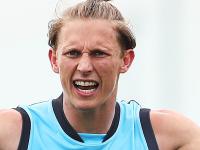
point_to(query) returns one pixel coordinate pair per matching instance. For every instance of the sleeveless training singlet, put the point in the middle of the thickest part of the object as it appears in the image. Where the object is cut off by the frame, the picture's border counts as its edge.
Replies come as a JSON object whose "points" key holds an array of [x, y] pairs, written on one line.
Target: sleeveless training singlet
{"points": [[45, 127]]}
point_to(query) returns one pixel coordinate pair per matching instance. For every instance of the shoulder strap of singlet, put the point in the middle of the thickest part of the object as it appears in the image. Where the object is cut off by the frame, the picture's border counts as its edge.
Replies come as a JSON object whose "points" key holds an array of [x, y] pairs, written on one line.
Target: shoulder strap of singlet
{"points": [[147, 129], [26, 126]]}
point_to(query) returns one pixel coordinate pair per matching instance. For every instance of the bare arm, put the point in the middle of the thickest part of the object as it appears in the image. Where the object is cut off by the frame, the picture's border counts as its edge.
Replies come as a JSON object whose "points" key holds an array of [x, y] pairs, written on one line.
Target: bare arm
{"points": [[174, 131], [10, 129]]}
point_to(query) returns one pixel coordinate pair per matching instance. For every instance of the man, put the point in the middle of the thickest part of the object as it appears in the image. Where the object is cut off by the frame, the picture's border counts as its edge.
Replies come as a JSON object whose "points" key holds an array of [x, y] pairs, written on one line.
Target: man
{"points": [[91, 46]]}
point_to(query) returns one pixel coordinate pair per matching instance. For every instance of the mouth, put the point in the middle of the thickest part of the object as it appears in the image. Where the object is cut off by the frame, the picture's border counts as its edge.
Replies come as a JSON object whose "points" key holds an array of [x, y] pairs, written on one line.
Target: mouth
{"points": [[86, 87]]}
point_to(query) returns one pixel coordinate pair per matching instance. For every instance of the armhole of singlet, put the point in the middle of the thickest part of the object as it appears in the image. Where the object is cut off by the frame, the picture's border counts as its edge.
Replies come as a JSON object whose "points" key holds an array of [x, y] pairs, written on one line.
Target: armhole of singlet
{"points": [[26, 126], [147, 129]]}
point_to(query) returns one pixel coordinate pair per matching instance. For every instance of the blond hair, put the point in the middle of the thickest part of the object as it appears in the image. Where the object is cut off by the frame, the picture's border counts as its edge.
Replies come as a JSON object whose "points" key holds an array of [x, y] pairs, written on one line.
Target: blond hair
{"points": [[93, 9]]}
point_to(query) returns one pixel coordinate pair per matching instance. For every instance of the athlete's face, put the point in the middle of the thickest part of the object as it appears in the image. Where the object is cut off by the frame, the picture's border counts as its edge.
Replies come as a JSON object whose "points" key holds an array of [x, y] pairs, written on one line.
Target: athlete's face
{"points": [[88, 59]]}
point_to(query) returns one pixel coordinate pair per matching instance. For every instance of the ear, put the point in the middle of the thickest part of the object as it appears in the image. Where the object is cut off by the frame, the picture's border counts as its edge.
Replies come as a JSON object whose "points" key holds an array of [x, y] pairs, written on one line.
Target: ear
{"points": [[127, 60], [53, 60]]}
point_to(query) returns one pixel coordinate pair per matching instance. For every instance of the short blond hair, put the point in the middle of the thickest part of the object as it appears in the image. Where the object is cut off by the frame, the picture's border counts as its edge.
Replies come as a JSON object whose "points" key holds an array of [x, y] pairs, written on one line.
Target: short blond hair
{"points": [[93, 9]]}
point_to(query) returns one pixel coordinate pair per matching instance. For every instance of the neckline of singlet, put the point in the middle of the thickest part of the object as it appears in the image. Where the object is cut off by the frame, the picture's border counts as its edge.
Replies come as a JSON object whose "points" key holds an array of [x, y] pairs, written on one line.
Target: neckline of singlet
{"points": [[70, 131], [91, 138]]}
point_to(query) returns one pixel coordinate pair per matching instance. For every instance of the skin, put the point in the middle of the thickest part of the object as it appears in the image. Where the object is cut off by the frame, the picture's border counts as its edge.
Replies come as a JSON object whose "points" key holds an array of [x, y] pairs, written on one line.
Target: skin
{"points": [[174, 131], [10, 129], [85, 112]]}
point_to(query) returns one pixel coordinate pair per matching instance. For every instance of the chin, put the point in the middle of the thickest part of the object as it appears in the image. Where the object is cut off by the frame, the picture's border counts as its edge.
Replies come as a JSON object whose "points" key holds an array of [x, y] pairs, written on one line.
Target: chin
{"points": [[86, 106]]}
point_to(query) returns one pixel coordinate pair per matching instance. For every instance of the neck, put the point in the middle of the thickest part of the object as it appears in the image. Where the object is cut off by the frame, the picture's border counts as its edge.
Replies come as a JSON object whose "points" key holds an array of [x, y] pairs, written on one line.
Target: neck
{"points": [[97, 120]]}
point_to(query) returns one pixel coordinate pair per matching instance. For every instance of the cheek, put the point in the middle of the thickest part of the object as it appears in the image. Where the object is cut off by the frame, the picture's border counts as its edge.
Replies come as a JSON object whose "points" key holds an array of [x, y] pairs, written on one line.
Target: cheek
{"points": [[66, 65], [66, 69], [107, 69]]}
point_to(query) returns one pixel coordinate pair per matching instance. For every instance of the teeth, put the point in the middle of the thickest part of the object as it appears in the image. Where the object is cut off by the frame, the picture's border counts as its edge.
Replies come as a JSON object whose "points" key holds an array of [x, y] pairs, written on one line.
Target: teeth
{"points": [[87, 91], [85, 83]]}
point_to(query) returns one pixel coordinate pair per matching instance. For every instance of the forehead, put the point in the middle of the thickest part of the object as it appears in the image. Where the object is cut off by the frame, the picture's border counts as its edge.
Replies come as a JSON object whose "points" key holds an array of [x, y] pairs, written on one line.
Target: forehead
{"points": [[96, 24], [88, 29]]}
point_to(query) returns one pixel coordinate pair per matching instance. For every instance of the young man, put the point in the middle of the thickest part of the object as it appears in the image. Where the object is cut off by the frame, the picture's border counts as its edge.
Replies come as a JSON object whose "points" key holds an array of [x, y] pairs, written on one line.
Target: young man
{"points": [[91, 46]]}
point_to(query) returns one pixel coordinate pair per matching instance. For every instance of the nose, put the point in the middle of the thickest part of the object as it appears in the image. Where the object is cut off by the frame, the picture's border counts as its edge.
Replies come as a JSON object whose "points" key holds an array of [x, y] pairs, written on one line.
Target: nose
{"points": [[85, 65]]}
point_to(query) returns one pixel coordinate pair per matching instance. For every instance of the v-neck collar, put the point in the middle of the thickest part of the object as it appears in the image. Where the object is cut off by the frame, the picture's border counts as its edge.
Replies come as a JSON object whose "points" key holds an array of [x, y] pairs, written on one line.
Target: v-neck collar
{"points": [[70, 131]]}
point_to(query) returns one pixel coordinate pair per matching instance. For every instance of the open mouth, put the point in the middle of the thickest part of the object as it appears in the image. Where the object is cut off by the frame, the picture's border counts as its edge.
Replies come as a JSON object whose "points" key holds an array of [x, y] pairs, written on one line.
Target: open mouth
{"points": [[86, 86]]}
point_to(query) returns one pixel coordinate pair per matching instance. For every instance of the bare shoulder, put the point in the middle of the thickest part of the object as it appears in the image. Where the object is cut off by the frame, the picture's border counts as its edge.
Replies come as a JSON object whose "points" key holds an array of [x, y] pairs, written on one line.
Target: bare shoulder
{"points": [[10, 129], [175, 131]]}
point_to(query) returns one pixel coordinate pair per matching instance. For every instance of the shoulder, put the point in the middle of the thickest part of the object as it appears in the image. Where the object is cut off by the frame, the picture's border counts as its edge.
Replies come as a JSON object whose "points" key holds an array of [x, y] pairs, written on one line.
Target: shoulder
{"points": [[173, 130], [10, 128]]}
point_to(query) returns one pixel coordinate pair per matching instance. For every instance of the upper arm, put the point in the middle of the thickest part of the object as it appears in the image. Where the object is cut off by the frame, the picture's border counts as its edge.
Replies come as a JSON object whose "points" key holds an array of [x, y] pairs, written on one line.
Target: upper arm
{"points": [[10, 129], [175, 131]]}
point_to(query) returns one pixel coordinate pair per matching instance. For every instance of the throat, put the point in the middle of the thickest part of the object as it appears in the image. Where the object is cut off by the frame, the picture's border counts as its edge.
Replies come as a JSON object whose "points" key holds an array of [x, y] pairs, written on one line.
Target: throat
{"points": [[92, 121], [94, 124]]}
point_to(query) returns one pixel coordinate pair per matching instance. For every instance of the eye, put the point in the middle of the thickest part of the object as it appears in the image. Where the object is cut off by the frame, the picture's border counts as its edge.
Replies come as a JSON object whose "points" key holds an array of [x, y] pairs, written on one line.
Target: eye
{"points": [[73, 53], [98, 53]]}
